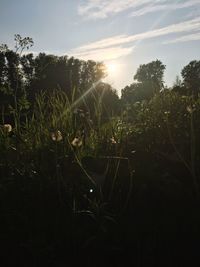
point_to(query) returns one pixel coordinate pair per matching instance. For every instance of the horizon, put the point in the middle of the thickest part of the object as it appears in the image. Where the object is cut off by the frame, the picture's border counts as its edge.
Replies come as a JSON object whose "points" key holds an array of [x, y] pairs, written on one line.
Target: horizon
{"points": [[122, 34]]}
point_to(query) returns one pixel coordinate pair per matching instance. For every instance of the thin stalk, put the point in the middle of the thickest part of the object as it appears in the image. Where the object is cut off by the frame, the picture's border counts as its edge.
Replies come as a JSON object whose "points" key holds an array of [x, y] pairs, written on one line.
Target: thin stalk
{"points": [[193, 154]]}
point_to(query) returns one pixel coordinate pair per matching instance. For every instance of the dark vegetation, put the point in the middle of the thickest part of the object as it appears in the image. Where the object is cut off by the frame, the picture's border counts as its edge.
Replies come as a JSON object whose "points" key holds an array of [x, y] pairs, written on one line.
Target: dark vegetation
{"points": [[88, 179]]}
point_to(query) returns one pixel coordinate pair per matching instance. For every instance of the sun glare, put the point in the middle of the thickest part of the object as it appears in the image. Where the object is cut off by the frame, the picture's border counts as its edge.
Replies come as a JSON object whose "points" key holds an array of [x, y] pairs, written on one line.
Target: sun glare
{"points": [[112, 68]]}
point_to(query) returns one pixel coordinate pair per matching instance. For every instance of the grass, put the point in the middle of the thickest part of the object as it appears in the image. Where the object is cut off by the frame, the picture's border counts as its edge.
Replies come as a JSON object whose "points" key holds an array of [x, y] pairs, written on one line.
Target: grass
{"points": [[78, 188]]}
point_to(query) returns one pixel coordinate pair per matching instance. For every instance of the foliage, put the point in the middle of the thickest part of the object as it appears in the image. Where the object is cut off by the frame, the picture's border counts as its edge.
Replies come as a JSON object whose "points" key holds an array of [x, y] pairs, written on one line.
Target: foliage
{"points": [[191, 77], [83, 172], [149, 82], [152, 72], [137, 92]]}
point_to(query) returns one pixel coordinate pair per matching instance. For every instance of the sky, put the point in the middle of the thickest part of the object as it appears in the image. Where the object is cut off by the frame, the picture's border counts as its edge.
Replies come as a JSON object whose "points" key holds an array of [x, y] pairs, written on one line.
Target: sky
{"points": [[121, 33]]}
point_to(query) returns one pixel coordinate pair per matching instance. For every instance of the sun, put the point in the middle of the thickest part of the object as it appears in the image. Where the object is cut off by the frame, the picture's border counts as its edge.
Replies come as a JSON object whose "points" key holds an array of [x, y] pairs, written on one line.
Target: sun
{"points": [[112, 68], [114, 71]]}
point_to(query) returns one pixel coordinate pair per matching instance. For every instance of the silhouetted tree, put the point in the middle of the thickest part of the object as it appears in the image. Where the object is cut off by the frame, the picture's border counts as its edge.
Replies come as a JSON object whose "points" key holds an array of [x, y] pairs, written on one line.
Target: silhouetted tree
{"points": [[191, 77], [12, 80], [178, 86], [72, 75], [106, 97], [137, 92], [151, 73], [149, 81]]}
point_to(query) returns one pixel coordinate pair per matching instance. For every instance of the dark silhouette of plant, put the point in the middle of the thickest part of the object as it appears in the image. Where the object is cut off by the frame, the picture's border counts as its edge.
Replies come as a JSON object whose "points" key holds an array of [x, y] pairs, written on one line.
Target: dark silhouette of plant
{"points": [[152, 73], [191, 77], [149, 81]]}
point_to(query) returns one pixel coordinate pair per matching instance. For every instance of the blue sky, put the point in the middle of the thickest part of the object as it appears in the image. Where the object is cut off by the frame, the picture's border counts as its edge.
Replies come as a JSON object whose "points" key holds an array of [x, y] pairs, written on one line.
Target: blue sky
{"points": [[122, 33]]}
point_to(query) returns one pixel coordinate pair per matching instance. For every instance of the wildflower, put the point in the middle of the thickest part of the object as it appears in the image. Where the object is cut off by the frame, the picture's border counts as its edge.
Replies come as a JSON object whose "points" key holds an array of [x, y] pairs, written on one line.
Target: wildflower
{"points": [[113, 141], [56, 136], [7, 128], [77, 142], [167, 112]]}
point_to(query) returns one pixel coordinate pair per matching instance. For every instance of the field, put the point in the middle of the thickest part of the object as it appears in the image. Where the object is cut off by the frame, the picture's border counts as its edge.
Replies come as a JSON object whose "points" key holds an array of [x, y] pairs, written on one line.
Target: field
{"points": [[79, 189]]}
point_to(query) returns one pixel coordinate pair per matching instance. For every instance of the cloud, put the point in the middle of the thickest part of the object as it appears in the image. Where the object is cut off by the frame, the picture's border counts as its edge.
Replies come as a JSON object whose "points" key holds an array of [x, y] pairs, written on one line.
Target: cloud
{"points": [[174, 6], [114, 47], [94, 9], [185, 38], [99, 9], [103, 54]]}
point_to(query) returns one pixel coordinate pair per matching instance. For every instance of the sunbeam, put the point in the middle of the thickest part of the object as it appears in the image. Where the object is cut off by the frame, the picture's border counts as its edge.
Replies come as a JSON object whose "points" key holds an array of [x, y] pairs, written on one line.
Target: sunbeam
{"points": [[85, 94]]}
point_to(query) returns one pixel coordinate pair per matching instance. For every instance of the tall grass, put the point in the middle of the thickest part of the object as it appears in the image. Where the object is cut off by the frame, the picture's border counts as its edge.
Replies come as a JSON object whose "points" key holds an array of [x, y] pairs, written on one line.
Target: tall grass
{"points": [[77, 181]]}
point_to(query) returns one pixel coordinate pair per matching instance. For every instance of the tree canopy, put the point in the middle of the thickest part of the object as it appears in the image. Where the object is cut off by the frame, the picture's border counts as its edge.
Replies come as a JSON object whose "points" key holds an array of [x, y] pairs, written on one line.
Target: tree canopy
{"points": [[191, 77], [152, 73], [23, 76], [149, 79]]}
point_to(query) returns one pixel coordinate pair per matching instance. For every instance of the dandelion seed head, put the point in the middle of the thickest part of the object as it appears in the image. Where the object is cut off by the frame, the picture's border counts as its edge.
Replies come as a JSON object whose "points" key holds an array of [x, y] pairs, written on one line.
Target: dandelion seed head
{"points": [[56, 136], [7, 128], [77, 142]]}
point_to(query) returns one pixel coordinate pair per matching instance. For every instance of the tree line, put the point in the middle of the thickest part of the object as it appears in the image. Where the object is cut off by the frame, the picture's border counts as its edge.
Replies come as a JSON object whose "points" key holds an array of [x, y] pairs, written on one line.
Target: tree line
{"points": [[23, 76], [149, 81]]}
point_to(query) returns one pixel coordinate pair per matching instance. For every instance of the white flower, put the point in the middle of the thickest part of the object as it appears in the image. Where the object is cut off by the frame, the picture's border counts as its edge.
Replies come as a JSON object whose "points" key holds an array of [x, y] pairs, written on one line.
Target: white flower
{"points": [[7, 128], [56, 136], [77, 142]]}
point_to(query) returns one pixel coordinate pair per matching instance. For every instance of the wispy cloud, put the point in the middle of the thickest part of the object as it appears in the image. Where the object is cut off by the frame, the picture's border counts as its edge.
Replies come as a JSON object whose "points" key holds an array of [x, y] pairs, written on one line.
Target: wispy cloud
{"points": [[103, 54], [99, 9], [185, 38], [167, 6], [116, 46], [94, 9]]}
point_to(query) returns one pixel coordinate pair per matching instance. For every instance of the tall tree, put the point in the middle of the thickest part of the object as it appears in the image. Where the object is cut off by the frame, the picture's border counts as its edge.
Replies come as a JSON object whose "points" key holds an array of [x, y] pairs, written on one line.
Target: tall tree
{"points": [[191, 77], [137, 92], [179, 87], [151, 73], [69, 74], [106, 97], [149, 79]]}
